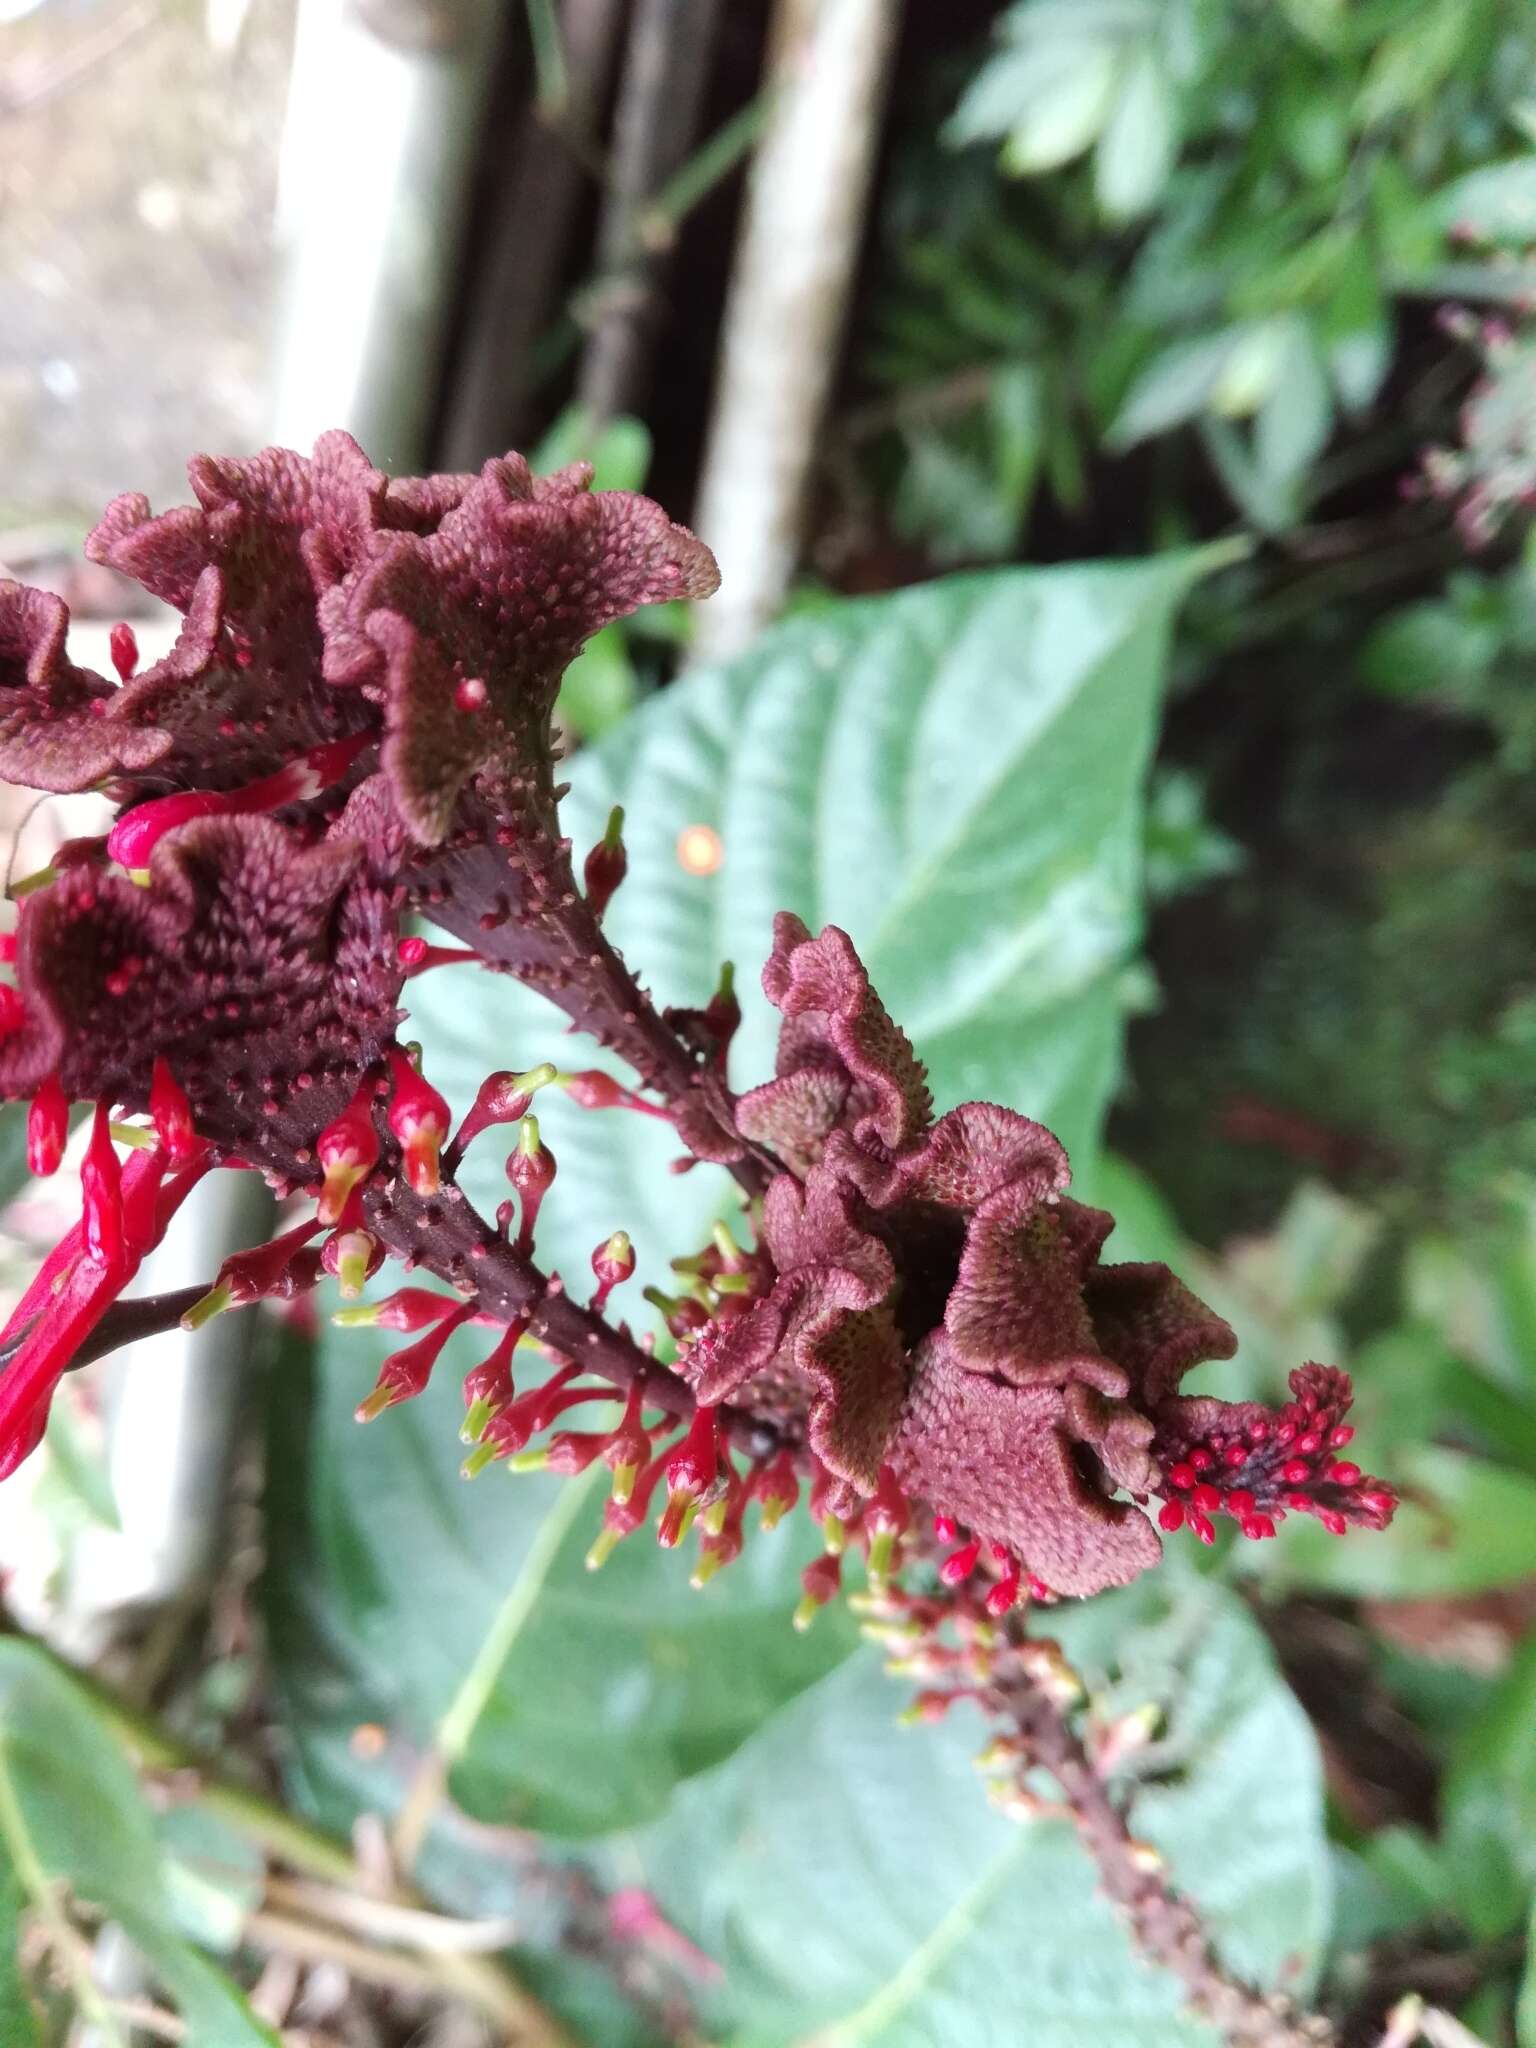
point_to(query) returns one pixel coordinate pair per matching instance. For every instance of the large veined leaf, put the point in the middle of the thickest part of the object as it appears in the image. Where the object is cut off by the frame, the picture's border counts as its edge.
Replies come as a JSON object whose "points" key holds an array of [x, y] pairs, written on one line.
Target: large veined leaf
{"points": [[461, 1617], [858, 1889], [954, 775], [72, 1813]]}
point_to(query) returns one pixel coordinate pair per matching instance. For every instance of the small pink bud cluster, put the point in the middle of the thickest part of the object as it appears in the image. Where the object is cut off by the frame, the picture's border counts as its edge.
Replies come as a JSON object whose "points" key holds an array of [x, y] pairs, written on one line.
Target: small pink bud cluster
{"points": [[1266, 1465]]}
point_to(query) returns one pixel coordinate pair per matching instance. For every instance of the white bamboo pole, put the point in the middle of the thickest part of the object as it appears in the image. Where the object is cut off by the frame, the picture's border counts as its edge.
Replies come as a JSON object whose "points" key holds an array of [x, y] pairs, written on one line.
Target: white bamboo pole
{"points": [[828, 68]]}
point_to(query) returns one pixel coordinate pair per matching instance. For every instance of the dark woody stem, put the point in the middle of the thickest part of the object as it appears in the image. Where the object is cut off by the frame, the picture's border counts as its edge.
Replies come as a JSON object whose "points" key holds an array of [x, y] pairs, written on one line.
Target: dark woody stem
{"points": [[1163, 1924], [523, 912]]}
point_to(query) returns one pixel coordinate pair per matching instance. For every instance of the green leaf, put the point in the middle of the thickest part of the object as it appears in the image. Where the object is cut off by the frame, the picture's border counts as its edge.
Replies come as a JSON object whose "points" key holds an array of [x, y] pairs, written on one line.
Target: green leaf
{"points": [[1174, 387], [1489, 1805], [14, 1171], [599, 688], [461, 1618], [1525, 2005], [858, 1889], [71, 1811], [1496, 203], [1465, 1525], [1410, 64], [18, 2016], [1067, 117], [1135, 153]]}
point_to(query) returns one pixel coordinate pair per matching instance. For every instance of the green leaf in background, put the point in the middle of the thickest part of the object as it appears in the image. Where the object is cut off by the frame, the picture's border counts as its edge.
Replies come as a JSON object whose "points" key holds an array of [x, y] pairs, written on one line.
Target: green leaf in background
{"points": [[71, 1812], [460, 1617], [14, 1171], [18, 2017], [1174, 386], [1135, 153], [1464, 1525], [1525, 2007], [1490, 1805], [857, 1888]]}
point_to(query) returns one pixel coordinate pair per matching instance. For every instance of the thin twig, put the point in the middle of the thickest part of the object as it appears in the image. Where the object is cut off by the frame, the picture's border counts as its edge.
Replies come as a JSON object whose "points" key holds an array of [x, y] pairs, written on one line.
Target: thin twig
{"points": [[1164, 1924], [386, 1920]]}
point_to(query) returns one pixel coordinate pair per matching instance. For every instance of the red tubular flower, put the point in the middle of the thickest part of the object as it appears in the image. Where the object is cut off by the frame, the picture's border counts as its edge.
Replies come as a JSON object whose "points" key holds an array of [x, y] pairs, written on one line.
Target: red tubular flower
{"points": [[134, 837], [503, 1098], [101, 1183], [488, 1386], [72, 1291], [691, 1468], [171, 1114], [251, 1275], [411, 1308]]}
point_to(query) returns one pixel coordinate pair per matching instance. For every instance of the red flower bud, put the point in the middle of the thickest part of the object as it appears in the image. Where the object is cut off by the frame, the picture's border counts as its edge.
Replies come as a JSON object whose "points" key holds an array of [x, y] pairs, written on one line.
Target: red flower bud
{"points": [[47, 1126], [251, 1275], [412, 1308], [613, 1262], [101, 1181], [820, 1581], [352, 1257], [420, 1119], [407, 1372], [531, 1170], [488, 1386], [606, 865], [123, 646], [691, 1467], [171, 1113], [348, 1151]]}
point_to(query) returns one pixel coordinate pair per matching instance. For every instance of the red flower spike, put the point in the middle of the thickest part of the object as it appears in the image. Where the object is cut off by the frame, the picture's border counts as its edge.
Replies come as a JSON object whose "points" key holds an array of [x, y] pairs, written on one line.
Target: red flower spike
{"points": [[778, 1488], [691, 1468], [250, 1275], [488, 1386], [47, 1127], [1259, 1465], [420, 1119], [531, 1170], [405, 1374], [613, 1262], [606, 865], [820, 1581], [123, 646], [134, 837], [348, 1151], [101, 1181], [171, 1113]]}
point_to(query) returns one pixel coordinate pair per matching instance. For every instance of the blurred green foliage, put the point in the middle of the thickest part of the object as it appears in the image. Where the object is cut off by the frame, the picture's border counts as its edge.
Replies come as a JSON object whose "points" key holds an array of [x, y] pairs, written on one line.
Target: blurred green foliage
{"points": [[1146, 216]]}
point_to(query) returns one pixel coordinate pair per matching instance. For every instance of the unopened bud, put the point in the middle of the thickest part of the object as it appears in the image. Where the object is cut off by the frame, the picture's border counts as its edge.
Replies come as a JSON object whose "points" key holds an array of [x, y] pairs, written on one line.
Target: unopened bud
{"points": [[101, 1181], [531, 1170], [778, 1488], [348, 1151], [47, 1126], [419, 1118], [407, 1372], [171, 1113], [503, 1098], [123, 646], [820, 1581], [690, 1470], [606, 865], [613, 1262]]}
